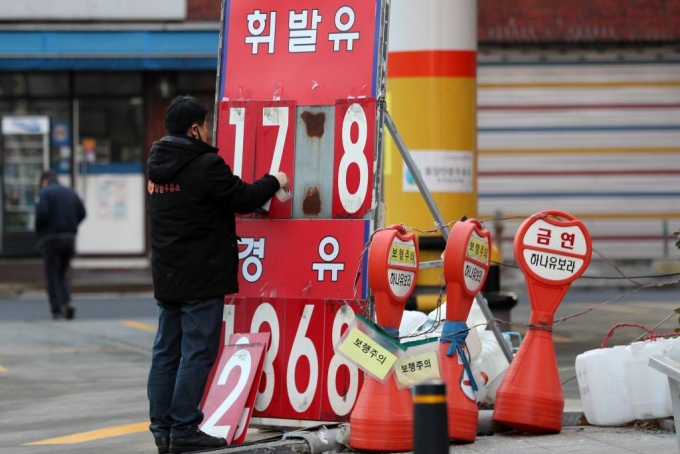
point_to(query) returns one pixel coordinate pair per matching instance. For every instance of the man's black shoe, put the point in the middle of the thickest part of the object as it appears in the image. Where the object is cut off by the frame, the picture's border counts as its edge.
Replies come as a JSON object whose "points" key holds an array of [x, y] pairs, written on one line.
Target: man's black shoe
{"points": [[199, 441], [69, 312], [163, 445], [57, 316]]}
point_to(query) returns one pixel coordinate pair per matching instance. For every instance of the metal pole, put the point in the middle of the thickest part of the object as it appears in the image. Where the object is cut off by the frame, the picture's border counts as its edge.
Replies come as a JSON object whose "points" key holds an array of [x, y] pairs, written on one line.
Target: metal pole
{"points": [[408, 160], [406, 156]]}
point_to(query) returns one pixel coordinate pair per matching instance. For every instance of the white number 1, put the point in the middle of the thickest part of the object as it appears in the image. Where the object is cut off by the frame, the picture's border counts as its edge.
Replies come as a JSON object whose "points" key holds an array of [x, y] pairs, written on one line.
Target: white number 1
{"points": [[237, 117]]}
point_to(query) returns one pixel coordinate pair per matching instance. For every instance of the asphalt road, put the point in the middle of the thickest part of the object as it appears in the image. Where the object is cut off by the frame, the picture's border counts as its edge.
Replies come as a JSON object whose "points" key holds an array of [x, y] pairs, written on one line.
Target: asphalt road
{"points": [[80, 386]]}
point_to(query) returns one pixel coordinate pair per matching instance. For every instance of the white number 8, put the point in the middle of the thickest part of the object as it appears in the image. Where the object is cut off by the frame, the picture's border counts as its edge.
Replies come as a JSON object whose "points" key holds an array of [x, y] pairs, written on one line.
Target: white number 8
{"points": [[353, 154]]}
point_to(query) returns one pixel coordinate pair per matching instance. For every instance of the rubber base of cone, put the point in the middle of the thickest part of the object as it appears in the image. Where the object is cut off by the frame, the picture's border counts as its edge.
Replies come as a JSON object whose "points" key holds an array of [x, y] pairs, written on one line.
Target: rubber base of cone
{"points": [[462, 412], [529, 412], [463, 423], [382, 418]]}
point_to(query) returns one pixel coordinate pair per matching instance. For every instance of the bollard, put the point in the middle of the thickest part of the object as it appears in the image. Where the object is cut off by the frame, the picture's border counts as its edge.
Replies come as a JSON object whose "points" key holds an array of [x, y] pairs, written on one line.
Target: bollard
{"points": [[430, 423], [552, 254], [466, 266], [382, 418]]}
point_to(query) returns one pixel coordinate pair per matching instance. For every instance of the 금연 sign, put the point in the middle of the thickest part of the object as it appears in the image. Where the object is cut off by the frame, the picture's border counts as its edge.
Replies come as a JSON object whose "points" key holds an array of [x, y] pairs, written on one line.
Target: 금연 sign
{"points": [[553, 250], [311, 52]]}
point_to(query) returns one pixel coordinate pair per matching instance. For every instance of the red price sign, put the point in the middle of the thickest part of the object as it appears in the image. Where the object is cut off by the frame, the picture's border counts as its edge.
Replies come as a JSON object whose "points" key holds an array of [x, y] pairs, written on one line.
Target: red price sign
{"points": [[304, 379], [354, 155], [275, 149], [228, 402], [256, 138], [319, 258], [236, 137], [313, 53]]}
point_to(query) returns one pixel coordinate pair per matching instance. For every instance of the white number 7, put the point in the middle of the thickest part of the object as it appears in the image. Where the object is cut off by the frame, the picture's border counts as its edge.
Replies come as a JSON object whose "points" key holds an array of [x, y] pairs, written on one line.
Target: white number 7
{"points": [[276, 116]]}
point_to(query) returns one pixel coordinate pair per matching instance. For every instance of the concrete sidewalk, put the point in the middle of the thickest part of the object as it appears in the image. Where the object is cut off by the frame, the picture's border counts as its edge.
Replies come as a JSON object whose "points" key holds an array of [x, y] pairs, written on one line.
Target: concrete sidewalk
{"points": [[641, 437]]}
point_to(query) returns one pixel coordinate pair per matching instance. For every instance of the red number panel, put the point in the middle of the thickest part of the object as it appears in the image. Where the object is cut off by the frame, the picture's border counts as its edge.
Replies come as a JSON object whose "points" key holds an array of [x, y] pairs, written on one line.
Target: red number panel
{"points": [[354, 155]]}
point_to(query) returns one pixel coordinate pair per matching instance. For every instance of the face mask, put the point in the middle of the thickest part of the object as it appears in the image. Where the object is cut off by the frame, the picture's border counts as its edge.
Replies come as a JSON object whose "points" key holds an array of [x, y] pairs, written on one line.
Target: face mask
{"points": [[198, 133]]}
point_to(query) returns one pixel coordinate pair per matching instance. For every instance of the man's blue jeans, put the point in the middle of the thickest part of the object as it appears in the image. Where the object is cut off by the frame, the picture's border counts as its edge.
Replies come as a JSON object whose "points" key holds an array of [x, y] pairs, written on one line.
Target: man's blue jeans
{"points": [[185, 349]]}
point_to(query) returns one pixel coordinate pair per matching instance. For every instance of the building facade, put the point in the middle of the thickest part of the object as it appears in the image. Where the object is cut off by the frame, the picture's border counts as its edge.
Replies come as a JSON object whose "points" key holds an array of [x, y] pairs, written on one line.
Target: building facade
{"points": [[559, 83]]}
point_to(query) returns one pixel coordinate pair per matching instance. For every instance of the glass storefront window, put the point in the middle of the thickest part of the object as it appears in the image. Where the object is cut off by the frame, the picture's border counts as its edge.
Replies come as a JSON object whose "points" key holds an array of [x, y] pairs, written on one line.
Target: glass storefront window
{"points": [[52, 85], [107, 84], [112, 130]]}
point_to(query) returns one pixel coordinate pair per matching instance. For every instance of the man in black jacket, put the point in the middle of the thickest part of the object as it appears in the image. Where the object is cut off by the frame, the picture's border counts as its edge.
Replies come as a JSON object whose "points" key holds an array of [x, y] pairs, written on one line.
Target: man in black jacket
{"points": [[193, 198], [58, 214]]}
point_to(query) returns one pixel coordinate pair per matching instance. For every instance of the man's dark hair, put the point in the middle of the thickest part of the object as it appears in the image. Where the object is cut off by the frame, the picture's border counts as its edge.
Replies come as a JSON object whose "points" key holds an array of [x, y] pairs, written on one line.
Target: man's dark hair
{"points": [[48, 175], [182, 112]]}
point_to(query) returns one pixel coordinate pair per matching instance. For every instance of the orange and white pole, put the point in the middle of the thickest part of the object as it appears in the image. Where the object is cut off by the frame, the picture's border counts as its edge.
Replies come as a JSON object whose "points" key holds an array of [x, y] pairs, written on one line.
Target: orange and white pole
{"points": [[431, 96]]}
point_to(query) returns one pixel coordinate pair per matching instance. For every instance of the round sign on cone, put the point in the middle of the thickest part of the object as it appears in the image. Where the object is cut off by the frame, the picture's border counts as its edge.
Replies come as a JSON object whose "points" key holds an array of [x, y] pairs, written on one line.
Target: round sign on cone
{"points": [[466, 266], [552, 248], [382, 418]]}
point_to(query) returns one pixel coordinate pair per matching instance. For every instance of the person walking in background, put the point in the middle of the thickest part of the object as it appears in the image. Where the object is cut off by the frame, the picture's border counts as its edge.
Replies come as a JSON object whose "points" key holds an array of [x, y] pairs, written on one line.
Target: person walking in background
{"points": [[58, 214], [193, 198]]}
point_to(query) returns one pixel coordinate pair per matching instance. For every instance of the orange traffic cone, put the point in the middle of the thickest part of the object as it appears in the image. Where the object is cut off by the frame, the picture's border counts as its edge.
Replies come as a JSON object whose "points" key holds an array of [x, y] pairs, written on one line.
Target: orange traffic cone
{"points": [[551, 253], [466, 266], [382, 418], [530, 398], [463, 413]]}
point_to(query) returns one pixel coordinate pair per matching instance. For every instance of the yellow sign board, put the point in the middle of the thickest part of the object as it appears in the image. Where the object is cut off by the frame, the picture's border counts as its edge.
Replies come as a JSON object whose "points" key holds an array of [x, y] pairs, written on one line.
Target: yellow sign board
{"points": [[402, 254], [478, 249], [411, 370], [367, 353]]}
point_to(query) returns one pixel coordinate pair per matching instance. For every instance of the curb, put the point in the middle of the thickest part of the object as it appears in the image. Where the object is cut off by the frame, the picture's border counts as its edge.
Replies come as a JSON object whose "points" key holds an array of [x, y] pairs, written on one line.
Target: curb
{"points": [[336, 439]]}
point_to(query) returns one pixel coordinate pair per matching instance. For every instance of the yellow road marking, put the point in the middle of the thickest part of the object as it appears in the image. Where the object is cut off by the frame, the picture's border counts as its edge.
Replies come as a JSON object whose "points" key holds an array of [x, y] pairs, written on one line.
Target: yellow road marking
{"points": [[671, 306], [622, 309], [139, 325], [2, 369], [91, 435], [562, 339], [68, 351]]}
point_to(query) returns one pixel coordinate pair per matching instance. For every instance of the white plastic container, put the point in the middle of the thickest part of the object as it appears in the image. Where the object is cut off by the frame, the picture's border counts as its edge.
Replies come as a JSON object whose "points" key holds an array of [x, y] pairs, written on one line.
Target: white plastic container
{"points": [[489, 368], [618, 386]]}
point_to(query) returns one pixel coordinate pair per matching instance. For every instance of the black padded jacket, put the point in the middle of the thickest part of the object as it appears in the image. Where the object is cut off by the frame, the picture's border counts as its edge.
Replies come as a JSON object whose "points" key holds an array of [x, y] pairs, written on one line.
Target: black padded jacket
{"points": [[193, 198]]}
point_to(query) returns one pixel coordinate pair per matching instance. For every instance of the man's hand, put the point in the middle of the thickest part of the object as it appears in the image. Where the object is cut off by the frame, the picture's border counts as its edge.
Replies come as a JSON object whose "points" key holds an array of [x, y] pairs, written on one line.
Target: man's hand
{"points": [[283, 179]]}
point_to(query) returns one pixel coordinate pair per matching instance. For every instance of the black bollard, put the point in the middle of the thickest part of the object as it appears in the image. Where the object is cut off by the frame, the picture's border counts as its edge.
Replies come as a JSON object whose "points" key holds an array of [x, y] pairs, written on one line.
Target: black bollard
{"points": [[430, 420]]}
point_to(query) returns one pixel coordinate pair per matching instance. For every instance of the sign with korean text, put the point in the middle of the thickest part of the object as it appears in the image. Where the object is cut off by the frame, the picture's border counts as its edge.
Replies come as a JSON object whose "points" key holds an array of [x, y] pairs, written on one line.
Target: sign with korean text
{"points": [[403, 255], [367, 353], [229, 399], [303, 378], [299, 258], [552, 249], [413, 369], [466, 266], [311, 52]]}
